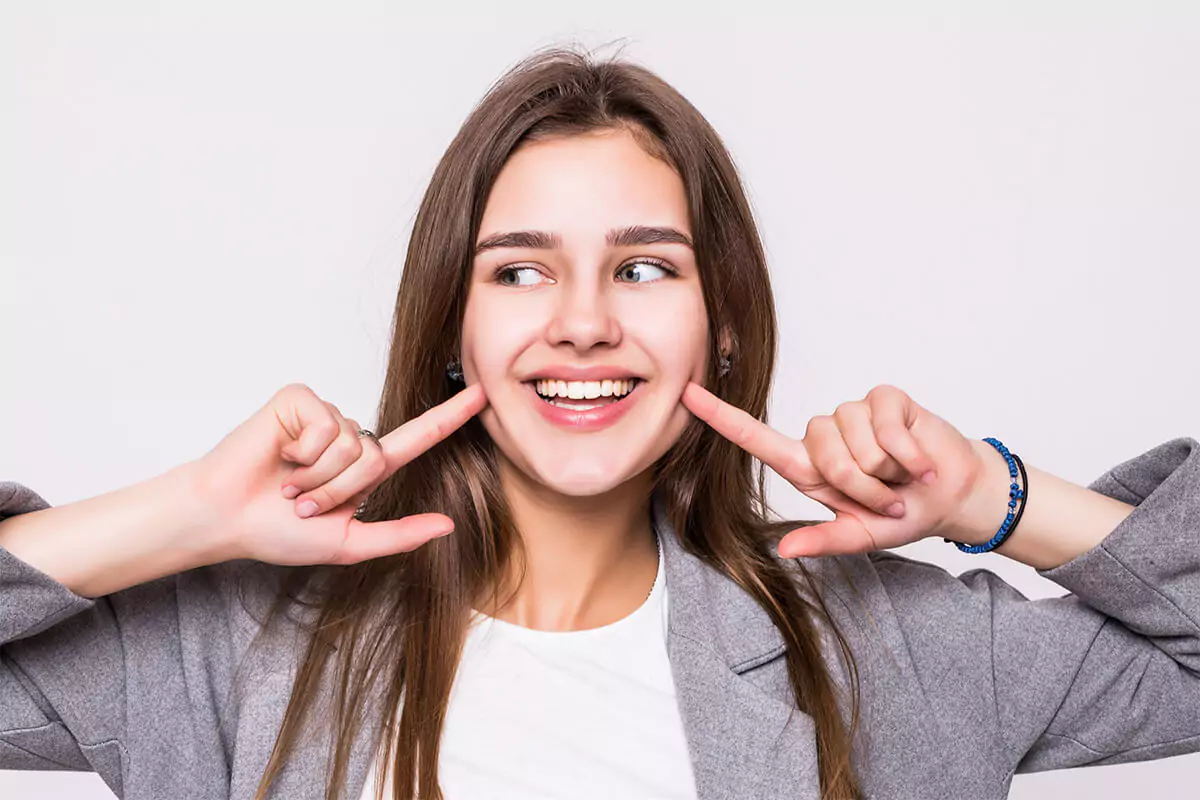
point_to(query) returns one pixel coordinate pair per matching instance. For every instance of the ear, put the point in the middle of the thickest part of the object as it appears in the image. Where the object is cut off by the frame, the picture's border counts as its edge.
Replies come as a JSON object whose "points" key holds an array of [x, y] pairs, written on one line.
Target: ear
{"points": [[725, 340]]}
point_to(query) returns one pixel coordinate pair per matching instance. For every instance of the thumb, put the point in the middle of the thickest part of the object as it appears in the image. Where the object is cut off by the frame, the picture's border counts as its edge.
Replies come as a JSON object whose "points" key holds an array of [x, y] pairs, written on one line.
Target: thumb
{"points": [[843, 535], [366, 540]]}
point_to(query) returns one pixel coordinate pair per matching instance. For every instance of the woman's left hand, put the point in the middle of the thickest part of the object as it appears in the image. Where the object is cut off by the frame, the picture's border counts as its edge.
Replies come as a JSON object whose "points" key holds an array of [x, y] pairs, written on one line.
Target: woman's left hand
{"points": [[865, 457]]}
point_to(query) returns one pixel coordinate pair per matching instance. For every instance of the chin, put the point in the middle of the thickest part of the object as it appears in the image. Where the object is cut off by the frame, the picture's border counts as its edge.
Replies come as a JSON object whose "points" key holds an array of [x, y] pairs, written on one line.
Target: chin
{"points": [[583, 483], [578, 474]]}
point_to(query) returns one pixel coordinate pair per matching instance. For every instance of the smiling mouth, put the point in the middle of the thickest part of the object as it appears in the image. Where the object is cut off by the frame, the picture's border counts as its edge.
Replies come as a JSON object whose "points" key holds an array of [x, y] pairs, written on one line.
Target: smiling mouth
{"points": [[584, 395]]}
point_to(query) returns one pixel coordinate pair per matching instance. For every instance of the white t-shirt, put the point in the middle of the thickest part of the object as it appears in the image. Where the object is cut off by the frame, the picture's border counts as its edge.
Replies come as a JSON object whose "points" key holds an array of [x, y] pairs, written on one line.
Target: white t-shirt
{"points": [[565, 714]]}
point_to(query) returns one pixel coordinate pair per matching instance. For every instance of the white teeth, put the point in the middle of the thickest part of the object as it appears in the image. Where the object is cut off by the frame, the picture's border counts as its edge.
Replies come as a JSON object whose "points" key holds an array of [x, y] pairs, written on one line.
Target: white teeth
{"points": [[576, 406], [579, 390]]}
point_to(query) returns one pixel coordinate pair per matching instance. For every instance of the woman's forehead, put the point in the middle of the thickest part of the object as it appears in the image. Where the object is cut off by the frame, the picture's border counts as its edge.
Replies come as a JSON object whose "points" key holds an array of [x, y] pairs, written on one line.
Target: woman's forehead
{"points": [[584, 187]]}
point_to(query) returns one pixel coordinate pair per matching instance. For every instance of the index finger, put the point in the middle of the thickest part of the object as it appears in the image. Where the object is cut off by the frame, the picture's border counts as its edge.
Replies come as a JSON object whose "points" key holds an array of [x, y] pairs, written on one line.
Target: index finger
{"points": [[421, 433], [785, 455]]}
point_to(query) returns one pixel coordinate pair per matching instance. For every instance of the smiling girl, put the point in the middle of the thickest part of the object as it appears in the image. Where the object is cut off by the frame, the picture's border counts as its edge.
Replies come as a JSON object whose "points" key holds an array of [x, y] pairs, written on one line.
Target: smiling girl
{"points": [[557, 575]]}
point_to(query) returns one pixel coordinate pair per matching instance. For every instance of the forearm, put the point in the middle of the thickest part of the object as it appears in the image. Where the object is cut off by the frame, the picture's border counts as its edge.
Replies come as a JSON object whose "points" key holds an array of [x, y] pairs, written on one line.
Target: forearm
{"points": [[1061, 519], [125, 537]]}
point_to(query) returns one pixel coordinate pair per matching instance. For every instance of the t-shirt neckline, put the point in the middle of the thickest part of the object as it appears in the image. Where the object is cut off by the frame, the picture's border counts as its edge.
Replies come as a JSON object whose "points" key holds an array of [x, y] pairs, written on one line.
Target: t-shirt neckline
{"points": [[511, 629]]}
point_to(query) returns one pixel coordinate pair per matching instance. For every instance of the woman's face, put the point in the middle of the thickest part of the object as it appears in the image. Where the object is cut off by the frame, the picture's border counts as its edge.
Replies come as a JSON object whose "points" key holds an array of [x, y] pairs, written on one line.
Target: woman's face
{"points": [[583, 274]]}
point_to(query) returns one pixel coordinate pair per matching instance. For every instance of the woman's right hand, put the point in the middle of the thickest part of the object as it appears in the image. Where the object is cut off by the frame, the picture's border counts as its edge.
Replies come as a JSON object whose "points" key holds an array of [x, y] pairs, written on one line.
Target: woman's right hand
{"points": [[299, 440]]}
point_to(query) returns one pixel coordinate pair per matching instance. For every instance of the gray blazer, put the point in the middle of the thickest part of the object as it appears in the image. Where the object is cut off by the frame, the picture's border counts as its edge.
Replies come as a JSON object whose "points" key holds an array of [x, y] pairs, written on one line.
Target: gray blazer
{"points": [[964, 680]]}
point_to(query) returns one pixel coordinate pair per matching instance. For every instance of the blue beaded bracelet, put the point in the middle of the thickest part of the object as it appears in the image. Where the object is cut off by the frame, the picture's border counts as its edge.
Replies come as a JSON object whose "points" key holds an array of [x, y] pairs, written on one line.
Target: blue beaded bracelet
{"points": [[1016, 497]]}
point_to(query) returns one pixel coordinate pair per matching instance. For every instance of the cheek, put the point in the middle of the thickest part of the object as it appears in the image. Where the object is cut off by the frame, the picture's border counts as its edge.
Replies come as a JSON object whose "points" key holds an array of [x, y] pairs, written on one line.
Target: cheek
{"points": [[676, 337], [492, 338]]}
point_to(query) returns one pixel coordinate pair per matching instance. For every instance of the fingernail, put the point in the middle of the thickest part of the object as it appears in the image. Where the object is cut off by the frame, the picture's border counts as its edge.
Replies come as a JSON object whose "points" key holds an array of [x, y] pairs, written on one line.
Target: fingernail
{"points": [[444, 531], [929, 477], [895, 510], [306, 508], [291, 492]]}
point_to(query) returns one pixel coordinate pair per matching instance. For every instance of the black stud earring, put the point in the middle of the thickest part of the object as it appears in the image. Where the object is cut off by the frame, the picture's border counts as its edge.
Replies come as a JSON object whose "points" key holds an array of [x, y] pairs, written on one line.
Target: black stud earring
{"points": [[454, 371], [724, 365]]}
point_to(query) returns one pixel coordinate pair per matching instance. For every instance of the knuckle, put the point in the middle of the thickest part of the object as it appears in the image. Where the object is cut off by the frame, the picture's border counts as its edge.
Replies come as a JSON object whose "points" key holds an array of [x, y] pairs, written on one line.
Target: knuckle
{"points": [[817, 425], [885, 391], [294, 390], [376, 465], [350, 446], [438, 431], [895, 438], [889, 434], [328, 428], [302, 453], [845, 409], [877, 462], [741, 434], [840, 471]]}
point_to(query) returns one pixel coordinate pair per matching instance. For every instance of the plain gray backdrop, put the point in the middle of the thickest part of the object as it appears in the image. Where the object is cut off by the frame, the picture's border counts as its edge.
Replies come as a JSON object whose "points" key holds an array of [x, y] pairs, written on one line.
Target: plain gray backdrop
{"points": [[992, 206]]}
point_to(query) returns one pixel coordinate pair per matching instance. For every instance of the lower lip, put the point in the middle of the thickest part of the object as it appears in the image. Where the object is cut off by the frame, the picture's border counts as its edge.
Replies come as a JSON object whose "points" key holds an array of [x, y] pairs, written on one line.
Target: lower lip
{"points": [[590, 420]]}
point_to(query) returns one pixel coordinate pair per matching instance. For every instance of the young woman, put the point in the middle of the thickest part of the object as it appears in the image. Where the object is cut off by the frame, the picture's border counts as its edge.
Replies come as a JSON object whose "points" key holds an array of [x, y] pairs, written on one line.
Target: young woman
{"points": [[557, 576]]}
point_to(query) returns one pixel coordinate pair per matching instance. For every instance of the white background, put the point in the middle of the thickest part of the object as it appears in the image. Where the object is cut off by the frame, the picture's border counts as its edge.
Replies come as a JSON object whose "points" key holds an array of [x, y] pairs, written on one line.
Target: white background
{"points": [[993, 207]]}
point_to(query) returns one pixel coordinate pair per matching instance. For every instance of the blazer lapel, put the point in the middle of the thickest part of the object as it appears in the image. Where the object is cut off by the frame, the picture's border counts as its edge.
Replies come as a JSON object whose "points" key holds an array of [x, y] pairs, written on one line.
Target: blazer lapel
{"points": [[303, 776], [744, 741]]}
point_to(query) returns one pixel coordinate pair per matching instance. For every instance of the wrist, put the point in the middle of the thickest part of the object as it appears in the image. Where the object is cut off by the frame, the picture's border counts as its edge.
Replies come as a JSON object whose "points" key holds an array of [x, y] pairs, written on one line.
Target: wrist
{"points": [[209, 535], [985, 508], [121, 538]]}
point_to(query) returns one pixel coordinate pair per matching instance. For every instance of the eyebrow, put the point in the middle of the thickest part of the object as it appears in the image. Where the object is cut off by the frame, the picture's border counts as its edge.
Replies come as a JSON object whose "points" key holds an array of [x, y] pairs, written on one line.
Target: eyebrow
{"points": [[617, 237]]}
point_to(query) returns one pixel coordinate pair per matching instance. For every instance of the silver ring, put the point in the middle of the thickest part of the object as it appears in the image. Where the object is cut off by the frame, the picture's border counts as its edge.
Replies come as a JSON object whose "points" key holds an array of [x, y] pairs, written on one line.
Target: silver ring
{"points": [[368, 434]]}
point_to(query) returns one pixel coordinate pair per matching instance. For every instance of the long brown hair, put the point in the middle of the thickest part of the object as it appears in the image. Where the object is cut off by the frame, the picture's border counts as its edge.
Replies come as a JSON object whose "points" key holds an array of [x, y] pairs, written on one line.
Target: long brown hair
{"points": [[399, 621]]}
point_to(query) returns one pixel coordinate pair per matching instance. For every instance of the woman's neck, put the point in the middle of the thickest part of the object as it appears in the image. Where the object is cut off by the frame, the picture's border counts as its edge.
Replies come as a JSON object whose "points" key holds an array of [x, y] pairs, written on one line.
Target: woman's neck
{"points": [[590, 561]]}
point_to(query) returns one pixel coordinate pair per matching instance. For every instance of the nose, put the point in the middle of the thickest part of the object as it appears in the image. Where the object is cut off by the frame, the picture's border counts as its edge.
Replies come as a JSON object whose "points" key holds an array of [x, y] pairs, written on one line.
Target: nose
{"points": [[584, 317]]}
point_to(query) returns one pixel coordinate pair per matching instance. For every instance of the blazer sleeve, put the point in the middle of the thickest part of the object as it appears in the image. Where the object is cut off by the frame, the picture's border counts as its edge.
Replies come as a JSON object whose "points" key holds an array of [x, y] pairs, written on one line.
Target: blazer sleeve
{"points": [[1110, 672], [96, 684]]}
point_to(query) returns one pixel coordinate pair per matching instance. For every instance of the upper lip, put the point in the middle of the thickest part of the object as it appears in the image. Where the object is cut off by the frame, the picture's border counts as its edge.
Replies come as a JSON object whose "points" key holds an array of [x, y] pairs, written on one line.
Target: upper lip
{"points": [[567, 372]]}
